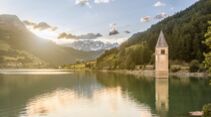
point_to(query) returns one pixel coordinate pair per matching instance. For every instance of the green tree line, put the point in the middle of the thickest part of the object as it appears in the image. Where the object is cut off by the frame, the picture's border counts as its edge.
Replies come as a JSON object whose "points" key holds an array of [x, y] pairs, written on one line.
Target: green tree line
{"points": [[184, 32], [207, 60]]}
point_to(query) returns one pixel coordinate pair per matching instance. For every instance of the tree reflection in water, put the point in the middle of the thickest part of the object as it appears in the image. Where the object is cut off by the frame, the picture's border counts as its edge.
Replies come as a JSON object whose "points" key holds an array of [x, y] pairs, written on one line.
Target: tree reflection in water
{"points": [[100, 94]]}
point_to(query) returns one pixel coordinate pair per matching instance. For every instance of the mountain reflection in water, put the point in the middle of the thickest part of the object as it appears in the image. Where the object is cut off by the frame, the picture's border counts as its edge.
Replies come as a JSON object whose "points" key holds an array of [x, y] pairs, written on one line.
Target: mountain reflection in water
{"points": [[69, 103], [100, 94]]}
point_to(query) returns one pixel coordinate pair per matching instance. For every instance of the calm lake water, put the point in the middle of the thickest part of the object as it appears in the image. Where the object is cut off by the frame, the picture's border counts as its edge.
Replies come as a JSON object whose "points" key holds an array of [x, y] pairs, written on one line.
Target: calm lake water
{"points": [[88, 94]]}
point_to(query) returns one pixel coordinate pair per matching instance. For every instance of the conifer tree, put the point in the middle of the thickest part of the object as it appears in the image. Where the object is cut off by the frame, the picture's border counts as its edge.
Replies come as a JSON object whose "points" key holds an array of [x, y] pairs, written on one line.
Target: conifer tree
{"points": [[207, 60]]}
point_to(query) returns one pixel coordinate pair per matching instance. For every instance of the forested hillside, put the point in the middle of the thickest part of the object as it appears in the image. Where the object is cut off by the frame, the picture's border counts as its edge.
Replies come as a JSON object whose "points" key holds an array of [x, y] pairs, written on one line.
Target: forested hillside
{"points": [[184, 32]]}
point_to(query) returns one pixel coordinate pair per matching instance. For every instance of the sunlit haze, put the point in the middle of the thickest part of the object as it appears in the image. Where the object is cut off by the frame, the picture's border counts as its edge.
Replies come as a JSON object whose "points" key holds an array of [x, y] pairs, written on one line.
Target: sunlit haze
{"points": [[114, 20]]}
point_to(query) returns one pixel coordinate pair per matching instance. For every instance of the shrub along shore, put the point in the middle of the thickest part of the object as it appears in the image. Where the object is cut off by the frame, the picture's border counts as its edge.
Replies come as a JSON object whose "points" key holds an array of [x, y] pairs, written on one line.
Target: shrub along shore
{"points": [[178, 69], [151, 73]]}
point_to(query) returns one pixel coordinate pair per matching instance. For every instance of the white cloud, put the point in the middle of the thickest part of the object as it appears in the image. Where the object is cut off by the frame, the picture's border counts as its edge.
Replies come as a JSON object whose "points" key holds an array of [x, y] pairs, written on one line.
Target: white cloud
{"points": [[87, 2], [83, 3], [102, 1], [39, 26], [159, 4], [145, 19], [161, 15], [172, 8], [113, 29]]}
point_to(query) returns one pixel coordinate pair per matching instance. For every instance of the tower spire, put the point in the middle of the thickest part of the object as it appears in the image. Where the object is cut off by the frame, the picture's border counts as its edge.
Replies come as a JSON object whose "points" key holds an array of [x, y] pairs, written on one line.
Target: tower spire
{"points": [[161, 40]]}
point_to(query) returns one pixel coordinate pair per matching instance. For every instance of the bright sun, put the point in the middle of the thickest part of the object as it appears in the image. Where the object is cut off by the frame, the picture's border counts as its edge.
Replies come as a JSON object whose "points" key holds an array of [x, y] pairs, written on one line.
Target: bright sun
{"points": [[45, 34]]}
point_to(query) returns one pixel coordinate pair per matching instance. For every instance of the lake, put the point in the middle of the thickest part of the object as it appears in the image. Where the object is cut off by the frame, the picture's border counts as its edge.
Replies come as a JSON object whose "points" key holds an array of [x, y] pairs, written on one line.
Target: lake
{"points": [[95, 94]]}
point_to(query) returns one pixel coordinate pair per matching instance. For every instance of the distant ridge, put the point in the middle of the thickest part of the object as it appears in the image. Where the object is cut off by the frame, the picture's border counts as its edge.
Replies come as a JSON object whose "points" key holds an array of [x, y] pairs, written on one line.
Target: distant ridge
{"points": [[19, 46]]}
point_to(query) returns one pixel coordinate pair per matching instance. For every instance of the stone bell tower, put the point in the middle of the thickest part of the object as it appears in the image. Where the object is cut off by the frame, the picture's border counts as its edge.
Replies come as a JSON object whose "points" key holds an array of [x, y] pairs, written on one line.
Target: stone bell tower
{"points": [[162, 56]]}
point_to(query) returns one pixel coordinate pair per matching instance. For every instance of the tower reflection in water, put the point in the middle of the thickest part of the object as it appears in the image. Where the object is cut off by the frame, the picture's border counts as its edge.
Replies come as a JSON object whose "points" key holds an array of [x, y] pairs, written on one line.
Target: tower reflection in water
{"points": [[162, 95]]}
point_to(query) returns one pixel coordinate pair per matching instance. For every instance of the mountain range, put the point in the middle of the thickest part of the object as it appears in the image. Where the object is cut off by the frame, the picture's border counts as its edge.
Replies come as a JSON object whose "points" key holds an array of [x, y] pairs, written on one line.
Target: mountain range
{"points": [[21, 48], [90, 45]]}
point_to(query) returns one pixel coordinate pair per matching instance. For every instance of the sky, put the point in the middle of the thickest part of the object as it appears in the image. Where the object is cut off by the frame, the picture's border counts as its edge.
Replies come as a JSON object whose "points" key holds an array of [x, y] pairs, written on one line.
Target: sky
{"points": [[107, 21]]}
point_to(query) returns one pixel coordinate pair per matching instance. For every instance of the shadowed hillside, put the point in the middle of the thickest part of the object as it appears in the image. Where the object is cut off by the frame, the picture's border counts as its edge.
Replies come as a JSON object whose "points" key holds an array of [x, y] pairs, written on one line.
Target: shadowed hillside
{"points": [[19, 46]]}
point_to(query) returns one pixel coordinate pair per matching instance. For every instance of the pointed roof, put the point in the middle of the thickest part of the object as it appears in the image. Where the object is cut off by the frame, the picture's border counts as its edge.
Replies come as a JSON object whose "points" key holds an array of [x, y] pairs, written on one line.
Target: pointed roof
{"points": [[161, 41]]}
